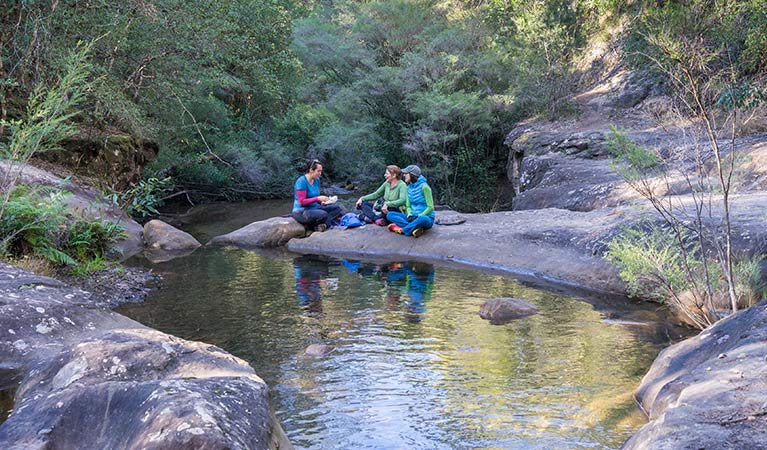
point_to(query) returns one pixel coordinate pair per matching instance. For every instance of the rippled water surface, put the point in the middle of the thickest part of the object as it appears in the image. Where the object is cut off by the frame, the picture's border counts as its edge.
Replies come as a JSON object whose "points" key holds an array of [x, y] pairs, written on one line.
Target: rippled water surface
{"points": [[413, 365]]}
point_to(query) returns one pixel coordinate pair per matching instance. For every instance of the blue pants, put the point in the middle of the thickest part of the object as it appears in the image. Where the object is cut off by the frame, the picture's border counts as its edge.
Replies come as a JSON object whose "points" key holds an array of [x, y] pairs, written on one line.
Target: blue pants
{"points": [[423, 222]]}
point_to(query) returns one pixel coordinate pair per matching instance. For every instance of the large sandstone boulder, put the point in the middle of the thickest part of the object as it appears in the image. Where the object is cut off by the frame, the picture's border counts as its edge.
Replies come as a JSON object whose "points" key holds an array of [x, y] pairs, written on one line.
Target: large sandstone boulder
{"points": [[709, 391], [504, 310], [135, 388], [84, 202], [86, 377], [268, 233], [164, 242]]}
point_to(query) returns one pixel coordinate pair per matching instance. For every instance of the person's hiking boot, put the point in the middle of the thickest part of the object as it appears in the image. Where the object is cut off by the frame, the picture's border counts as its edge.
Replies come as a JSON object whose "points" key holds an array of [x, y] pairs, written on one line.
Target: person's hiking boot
{"points": [[380, 222], [418, 232], [320, 228], [394, 228]]}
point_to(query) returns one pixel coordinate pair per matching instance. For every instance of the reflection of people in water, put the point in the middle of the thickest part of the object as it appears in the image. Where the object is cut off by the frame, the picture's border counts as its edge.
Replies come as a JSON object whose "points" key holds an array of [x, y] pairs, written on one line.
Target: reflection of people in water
{"points": [[420, 283], [311, 274], [414, 280]]}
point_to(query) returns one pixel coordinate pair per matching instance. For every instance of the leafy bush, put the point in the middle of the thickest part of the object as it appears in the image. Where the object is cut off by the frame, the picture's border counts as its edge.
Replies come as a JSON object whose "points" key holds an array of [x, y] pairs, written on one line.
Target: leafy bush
{"points": [[649, 262], [49, 112], [142, 199], [35, 222], [654, 268], [629, 159]]}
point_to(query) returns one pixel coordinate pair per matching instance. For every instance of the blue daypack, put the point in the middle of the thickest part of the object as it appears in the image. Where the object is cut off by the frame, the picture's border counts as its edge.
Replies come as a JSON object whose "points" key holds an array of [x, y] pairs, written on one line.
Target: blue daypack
{"points": [[350, 220]]}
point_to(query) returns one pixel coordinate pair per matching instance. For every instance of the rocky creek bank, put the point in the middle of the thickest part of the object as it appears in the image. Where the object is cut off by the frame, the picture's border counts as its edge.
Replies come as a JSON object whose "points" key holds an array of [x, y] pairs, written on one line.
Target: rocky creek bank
{"points": [[709, 391], [569, 205], [86, 377]]}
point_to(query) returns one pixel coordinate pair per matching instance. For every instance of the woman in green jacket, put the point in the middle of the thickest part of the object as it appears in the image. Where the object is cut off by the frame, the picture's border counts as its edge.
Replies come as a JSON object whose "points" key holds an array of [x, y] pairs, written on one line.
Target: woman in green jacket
{"points": [[394, 193]]}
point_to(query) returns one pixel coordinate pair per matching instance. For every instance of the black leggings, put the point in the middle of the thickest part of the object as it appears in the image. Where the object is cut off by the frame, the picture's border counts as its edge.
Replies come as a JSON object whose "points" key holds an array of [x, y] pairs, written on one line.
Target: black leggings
{"points": [[370, 213], [312, 217]]}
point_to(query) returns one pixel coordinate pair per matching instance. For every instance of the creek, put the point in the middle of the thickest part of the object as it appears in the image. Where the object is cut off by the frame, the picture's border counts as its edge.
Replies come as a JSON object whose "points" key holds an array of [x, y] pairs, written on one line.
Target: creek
{"points": [[413, 365]]}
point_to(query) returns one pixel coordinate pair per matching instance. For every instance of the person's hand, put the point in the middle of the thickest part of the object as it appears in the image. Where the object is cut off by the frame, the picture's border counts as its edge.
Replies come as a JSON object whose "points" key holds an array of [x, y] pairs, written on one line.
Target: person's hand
{"points": [[385, 209], [411, 218], [359, 203], [322, 198]]}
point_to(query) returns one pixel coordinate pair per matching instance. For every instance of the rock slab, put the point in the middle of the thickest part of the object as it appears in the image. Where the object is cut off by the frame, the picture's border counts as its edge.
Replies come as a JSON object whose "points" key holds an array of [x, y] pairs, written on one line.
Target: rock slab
{"points": [[709, 391]]}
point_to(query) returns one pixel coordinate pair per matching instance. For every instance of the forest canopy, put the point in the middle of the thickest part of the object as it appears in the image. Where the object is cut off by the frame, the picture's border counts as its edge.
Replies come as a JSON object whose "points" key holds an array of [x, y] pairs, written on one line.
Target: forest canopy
{"points": [[237, 93]]}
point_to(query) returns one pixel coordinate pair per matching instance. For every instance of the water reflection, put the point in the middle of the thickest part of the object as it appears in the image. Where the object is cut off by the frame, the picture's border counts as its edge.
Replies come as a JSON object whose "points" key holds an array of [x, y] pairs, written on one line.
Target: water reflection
{"points": [[408, 285], [311, 276], [414, 365]]}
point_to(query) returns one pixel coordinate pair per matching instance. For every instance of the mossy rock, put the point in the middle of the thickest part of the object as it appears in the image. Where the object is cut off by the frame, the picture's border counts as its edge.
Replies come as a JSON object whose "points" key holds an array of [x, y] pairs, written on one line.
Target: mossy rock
{"points": [[116, 159]]}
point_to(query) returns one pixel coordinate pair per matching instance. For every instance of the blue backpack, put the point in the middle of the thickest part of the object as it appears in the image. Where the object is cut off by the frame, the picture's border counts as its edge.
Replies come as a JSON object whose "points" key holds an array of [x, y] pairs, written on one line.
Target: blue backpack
{"points": [[350, 220]]}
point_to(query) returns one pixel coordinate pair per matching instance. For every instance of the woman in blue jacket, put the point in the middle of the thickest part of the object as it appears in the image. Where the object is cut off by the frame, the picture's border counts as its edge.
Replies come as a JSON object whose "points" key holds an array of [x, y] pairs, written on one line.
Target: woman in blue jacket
{"points": [[420, 205]]}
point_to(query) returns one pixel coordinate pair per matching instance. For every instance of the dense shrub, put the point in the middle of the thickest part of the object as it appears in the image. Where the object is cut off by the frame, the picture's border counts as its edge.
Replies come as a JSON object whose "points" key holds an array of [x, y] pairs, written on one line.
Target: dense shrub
{"points": [[35, 222]]}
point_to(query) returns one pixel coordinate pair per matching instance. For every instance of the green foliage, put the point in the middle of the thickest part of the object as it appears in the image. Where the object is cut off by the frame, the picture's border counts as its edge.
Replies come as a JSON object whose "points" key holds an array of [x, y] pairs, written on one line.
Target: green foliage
{"points": [[142, 199], [747, 95], [298, 126], [650, 263], [345, 147], [50, 110], [35, 222], [720, 45], [175, 71], [232, 88], [30, 222], [750, 284], [629, 159], [87, 241]]}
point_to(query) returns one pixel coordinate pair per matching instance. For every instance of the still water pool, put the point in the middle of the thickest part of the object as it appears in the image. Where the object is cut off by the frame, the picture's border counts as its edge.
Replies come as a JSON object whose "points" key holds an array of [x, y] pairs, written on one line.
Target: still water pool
{"points": [[414, 366]]}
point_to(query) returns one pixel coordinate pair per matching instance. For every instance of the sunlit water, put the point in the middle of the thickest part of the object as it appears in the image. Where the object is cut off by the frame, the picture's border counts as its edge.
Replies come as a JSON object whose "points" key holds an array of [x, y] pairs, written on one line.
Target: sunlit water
{"points": [[414, 366]]}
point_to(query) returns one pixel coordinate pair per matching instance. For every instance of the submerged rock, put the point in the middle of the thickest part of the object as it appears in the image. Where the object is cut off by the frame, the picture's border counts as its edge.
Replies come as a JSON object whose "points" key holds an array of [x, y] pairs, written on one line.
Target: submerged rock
{"points": [[504, 310], [267, 233], [319, 349]]}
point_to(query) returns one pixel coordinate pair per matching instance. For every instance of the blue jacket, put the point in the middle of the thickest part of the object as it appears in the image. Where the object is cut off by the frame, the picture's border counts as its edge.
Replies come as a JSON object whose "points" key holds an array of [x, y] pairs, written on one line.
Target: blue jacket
{"points": [[417, 204]]}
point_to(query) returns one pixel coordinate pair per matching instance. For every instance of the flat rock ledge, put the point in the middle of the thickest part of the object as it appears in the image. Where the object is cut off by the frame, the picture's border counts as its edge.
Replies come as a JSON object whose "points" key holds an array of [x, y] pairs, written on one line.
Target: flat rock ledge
{"points": [[269, 233], [709, 391], [551, 245], [86, 377]]}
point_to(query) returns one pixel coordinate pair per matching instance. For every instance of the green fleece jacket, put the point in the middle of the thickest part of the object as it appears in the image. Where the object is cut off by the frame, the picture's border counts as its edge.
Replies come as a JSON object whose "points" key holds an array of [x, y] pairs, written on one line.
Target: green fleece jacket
{"points": [[395, 198]]}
